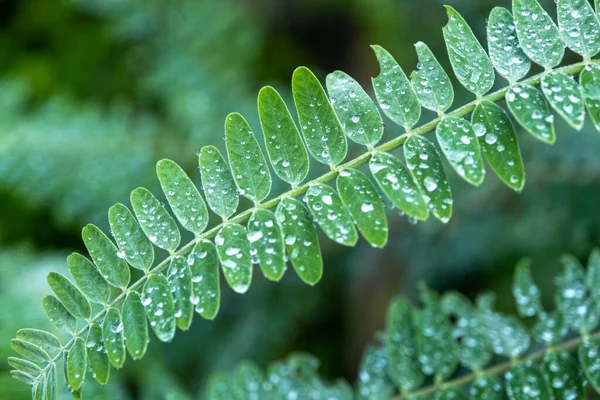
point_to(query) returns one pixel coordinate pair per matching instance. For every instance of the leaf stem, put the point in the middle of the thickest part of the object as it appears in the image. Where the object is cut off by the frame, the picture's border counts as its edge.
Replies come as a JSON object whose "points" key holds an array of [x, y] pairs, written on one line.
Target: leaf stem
{"points": [[300, 190], [567, 345]]}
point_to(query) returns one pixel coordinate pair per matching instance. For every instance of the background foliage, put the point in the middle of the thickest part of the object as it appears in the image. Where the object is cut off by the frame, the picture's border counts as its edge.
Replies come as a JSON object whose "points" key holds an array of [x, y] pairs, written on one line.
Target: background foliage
{"points": [[95, 91]]}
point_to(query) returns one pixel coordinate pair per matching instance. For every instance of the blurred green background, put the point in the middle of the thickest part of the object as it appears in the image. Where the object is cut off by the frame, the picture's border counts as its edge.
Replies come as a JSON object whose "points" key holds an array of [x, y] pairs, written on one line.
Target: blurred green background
{"points": [[94, 92]]}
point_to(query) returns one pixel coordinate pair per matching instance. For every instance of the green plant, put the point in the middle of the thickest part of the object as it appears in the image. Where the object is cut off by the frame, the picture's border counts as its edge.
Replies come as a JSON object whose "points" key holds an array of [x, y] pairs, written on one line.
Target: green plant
{"points": [[422, 348], [118, 309]]}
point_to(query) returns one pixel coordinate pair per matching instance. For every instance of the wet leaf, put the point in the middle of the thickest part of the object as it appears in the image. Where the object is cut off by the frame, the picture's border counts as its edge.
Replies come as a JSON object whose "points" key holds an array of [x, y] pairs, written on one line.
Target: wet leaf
{"points": [[527, 294], [88, 279], [204, 266], [588, 355], [135, 329], [322, 131], [373, 383], [400, 347], [589, 80], [537, 33], [355, 110], [525, 381], [106, 257], [565, 97], [112, 332], [579, 26], [394, 92], [179, 276], [76, 364], [469, 60], [154, 219], [69, 295], [301, 241], [45, 340], [96, 354], [233, 248], [133, 244], [331, 215], [285, 147], [158, 302], [529, 108], [58, 314], [398, 184], [460, 146], [264, 234], [499, 144], [30, 351], [562, 372], [217, 181], [505, 50], [248, 165], [362, 201], [486, 388], [431, 82], [423, 162], [183, 196], [26, 366]]}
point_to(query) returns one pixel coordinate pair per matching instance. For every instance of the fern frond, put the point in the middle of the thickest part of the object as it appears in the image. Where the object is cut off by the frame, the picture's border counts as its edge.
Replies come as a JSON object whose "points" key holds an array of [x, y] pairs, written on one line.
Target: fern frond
{"points": [[188, 278], [449, 348]]}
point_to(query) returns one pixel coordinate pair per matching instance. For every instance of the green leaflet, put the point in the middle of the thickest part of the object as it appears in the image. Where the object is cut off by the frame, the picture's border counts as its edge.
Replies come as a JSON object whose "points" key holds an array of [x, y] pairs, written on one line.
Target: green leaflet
{"points": [[424, 164], [76, 364], [30, 351], [469, 60], [22, 376], [565, 97], [398, 185], [42, 339], [219, 187], [355, 109], [529, 108], [431, 82], [579, 26], [507, 335], [204, 266], [68, 294], [233, 248], [96, 354], [183, 196], [133, 243], [112, 333], [45, 340], [135, 329], [499, 144], [486, 388], [248, 165], [473, 350], [105, 256], [460, 146], [158, 302], [219, 388], [322, 131], [266, 240], [248, 381], [505, 51], [592, 278], [589, 80], [373, 382], [436, 348], [362, 201], [154, 219], [537, 33], [301, 241], [526, 293], [562, 372], [525, 380], [26, 366], [403, 366], [179, 276], [588, 353], [88, 279], [51, 383], [58, 314], [284, 145], [394, 91], [550, 328], [331, 215], [38, 391]]}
